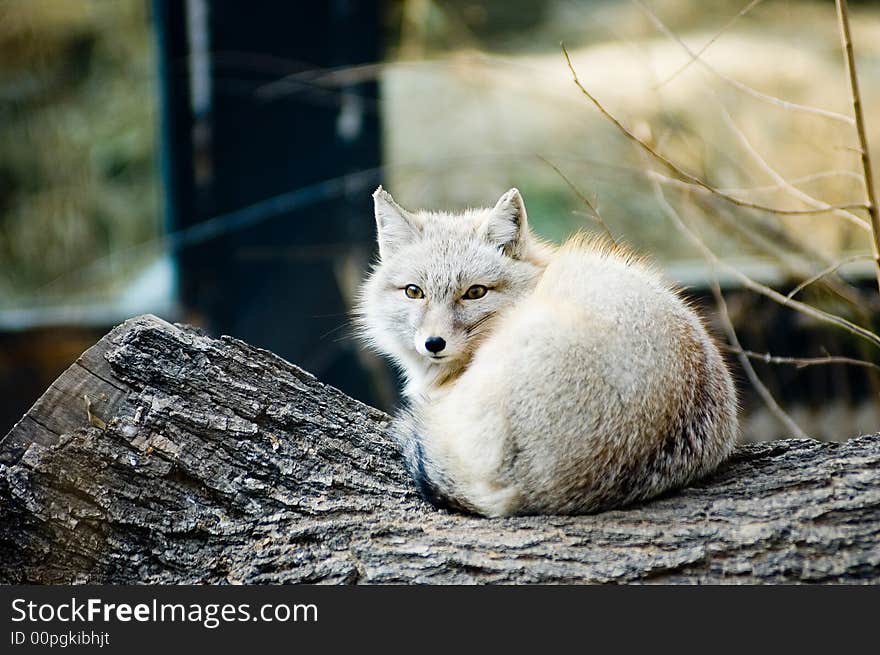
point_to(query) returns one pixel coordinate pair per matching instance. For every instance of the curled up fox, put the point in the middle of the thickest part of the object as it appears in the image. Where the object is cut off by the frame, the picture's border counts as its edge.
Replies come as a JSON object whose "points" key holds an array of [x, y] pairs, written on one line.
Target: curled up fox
{"points": [[539, 379]]}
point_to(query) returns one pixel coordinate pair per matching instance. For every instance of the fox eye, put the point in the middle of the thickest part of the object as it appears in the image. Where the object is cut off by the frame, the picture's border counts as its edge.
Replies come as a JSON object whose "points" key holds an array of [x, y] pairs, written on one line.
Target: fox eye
{"points": [[475, 292], [412, 291]]}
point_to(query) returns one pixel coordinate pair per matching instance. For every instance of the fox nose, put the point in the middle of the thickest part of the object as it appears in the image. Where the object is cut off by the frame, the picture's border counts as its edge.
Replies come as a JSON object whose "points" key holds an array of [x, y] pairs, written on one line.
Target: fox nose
{"points": [[435, 344]]}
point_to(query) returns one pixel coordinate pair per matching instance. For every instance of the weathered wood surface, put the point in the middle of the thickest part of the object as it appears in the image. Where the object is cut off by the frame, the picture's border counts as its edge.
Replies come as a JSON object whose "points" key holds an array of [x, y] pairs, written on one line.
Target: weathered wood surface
{"points": [[204, 460]]}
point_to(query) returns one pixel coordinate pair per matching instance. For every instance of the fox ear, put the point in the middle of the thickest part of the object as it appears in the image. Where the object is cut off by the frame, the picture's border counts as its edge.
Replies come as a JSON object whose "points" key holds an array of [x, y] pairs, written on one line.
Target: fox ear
{"points": [[507, 225], [394, 225]]}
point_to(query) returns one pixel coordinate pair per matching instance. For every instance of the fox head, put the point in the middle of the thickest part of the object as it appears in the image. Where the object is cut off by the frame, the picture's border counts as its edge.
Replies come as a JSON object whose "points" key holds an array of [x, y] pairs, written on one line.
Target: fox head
{"points": [[441, 280]]}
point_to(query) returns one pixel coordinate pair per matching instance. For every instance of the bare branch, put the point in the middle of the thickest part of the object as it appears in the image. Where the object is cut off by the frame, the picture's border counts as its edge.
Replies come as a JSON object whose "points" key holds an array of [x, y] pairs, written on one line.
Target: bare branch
{"points": [[801, 362], [695, 56], [762, 390], [785, 104], [748, 282], [594, 213], [684, 175], [873, 209], [682, 184], [825, 271], [785, 184], [804, 179], [770, 239], [796, 257]]}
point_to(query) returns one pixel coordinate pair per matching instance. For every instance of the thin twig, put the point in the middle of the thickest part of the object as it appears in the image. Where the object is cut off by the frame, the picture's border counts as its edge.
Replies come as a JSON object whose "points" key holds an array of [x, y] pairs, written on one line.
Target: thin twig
{"points": [[699, 188], [594, 212], [687, 177], [798, 259], [873, 209], [748, 282], [762, 390], [769, 242], [769, 238], [801, 362], [785, 184], [793, 257], [804, 179], [825, 271], [785, 104], [694, 56]]}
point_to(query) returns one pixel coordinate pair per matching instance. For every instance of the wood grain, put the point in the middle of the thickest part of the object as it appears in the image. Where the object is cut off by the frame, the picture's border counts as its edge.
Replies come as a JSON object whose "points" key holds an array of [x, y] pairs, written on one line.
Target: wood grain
{"points": [[223, 463]]}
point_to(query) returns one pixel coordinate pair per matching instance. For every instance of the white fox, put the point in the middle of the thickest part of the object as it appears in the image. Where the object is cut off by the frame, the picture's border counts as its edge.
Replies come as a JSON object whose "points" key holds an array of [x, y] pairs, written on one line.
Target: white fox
{"points": [[539, 379]]}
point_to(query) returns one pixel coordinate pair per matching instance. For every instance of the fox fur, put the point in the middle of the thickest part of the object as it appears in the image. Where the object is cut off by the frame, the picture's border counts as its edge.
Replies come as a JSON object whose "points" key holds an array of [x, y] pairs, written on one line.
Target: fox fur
{"points": [[574, 379]]}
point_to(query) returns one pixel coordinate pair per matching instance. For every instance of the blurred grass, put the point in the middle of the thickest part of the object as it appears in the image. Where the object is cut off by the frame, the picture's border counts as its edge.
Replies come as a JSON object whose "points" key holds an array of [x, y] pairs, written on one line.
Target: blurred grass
{"points": [[77, 141]]}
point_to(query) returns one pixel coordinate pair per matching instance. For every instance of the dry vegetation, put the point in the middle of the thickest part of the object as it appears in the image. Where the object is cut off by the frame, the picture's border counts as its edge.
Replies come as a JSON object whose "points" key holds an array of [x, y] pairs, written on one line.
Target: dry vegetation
{"points": [[77, 139], [491, 114]]}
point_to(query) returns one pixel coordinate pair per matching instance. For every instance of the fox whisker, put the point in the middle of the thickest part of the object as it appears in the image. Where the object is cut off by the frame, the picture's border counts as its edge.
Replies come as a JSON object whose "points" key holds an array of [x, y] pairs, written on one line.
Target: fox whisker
{"points": [[482, 321]]}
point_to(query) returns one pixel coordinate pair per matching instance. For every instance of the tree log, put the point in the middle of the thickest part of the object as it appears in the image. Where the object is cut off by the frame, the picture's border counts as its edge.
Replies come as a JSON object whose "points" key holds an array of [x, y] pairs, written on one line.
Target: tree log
{"points": [[166, 456]]}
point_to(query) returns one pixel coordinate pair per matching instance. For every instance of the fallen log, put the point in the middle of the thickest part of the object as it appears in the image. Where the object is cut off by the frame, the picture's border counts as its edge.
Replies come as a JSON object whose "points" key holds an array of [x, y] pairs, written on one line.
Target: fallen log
{"points": [[166, 456]]}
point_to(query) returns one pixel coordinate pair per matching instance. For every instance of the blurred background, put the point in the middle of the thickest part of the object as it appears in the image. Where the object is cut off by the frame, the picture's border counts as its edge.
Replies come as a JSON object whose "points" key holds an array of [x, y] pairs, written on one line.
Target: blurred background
{"points": [[212, 163]]}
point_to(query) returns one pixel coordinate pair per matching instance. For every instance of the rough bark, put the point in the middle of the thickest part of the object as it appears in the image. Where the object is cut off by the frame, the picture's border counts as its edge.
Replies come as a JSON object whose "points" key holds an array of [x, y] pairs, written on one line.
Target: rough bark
{"points": [[206, 460]]}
